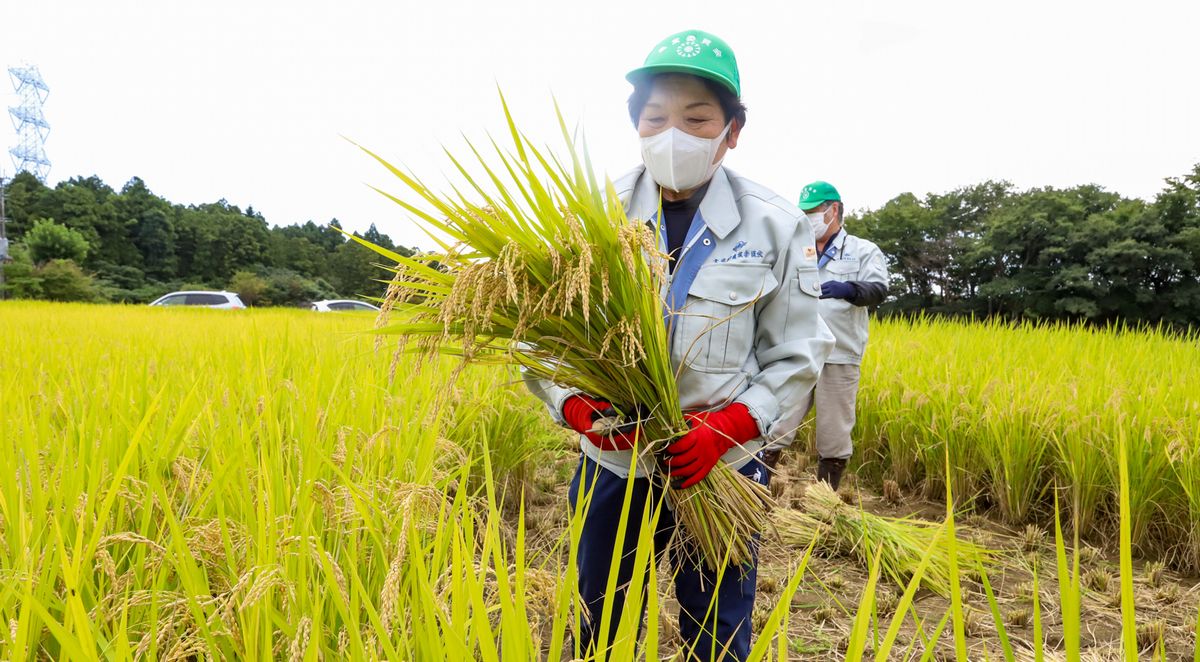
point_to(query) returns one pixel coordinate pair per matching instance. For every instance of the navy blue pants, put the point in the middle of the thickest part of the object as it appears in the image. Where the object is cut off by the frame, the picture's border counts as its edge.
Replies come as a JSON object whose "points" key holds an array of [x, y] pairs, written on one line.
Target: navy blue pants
{"points": [[711, 633]]}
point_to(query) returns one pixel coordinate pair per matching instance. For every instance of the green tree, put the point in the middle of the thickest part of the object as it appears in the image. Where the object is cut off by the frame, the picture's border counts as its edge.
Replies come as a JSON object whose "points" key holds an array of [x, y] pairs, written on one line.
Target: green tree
{"points": [[87, 204], [1037, 255], [1171, 235], [48, 240], [139, 244], [63, 280], [216, 240], [928, 242], [121, 283], [156, 239], [23, 196], [295, 249], [249, 286], [288, 288], [354, 273], [354, 268], [152, 228], [378, 238], [20, 275], [900, 228]]}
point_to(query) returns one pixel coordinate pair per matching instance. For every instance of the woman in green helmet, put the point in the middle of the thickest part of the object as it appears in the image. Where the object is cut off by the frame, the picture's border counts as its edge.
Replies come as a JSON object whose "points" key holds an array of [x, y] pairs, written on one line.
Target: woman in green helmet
{"points": [[747, 340]]}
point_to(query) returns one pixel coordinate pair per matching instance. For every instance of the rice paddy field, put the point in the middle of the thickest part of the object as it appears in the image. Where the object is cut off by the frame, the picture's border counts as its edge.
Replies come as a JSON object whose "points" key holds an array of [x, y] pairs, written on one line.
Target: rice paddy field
{"points": [[1026, 413], [276, 484]]}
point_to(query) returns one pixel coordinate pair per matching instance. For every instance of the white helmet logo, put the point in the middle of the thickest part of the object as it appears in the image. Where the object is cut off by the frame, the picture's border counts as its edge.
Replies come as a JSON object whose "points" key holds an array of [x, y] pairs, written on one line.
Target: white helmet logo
{"points": [[687, 47]]}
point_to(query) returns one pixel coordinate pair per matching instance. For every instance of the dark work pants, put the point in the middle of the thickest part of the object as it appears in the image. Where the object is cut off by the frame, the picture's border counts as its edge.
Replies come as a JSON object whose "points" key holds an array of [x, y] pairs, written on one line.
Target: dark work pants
{"points": [[707, 629]]}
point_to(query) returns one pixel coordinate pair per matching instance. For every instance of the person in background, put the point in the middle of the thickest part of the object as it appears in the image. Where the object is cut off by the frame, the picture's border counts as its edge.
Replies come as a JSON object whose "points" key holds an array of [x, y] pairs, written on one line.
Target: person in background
{"points": [[853, 277]]}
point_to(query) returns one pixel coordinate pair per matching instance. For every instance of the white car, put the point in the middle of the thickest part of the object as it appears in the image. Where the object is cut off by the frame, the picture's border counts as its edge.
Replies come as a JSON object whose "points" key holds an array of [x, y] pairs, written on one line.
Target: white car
{"points": [[222, 300], [342, 305]]}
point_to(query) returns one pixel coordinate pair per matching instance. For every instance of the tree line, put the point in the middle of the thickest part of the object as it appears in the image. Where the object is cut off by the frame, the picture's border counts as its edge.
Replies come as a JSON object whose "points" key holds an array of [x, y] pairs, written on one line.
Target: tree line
{"points": [[1076, 254], [1080, 254], [84, 241]]}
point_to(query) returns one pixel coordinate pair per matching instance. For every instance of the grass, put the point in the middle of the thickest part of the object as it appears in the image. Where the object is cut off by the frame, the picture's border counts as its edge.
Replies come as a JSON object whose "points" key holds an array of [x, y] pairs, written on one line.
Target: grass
{"points": [[1022, 410], [253, 485], [195, 480]]}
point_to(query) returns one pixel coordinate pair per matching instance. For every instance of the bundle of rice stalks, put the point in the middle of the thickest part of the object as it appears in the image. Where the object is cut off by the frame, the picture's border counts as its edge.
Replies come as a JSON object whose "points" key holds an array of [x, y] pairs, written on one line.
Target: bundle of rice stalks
{"points": [[545, 271], [851, 531]]}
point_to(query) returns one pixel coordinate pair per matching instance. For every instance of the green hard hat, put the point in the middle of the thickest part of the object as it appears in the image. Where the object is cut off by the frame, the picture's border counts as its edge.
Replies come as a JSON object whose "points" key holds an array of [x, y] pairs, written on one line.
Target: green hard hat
{"points": [[817, 193], [693, 52]]}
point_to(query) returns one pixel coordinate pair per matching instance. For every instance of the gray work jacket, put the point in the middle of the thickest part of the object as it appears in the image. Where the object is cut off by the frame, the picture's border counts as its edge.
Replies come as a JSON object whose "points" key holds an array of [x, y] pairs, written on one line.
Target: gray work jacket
{"points": [[744, 315], [860, 262]]}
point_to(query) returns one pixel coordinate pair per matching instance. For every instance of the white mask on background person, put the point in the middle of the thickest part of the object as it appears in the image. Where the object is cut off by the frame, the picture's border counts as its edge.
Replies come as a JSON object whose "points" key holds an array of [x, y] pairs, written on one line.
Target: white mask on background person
{"points": [[819, 223], [680, 161]]}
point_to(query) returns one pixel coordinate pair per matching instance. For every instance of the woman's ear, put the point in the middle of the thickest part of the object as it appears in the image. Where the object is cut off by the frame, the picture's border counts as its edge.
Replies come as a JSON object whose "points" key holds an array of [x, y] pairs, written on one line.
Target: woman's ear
{"points": [[735, 129]]}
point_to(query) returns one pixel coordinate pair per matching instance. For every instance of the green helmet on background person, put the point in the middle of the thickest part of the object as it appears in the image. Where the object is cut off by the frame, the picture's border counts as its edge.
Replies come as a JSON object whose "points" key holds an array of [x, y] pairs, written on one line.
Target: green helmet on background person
{"points": [[817, 193], [694, 52]]}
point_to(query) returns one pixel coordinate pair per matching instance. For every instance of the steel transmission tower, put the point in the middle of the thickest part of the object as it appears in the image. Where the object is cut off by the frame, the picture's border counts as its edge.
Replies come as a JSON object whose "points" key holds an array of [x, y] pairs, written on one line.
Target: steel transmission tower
{"points": [[32, 127]]}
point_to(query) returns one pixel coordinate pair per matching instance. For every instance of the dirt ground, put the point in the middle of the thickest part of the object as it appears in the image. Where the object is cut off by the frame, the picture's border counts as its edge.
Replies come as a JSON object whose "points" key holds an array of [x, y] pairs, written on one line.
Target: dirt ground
{"points": [[823, 608]]}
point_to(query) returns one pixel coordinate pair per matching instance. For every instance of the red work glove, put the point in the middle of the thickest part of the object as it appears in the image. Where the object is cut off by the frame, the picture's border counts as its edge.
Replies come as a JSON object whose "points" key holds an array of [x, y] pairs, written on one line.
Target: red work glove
{"points": [[581, 413], [692, 456]]}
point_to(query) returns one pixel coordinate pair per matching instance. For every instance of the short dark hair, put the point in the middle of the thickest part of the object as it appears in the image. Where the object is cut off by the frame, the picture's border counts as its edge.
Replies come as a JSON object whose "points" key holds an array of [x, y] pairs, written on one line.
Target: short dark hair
{"points": [[731, 104]]}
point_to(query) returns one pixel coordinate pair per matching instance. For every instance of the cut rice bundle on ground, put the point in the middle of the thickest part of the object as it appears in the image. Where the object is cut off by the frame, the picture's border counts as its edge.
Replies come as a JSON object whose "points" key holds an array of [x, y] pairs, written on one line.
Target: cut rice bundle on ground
{"points": [[848, 530]]}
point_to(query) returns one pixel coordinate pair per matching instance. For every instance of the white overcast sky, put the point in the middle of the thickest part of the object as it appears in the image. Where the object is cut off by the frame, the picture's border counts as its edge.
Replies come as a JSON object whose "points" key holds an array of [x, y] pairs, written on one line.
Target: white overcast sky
{"points": [[247, 100]]}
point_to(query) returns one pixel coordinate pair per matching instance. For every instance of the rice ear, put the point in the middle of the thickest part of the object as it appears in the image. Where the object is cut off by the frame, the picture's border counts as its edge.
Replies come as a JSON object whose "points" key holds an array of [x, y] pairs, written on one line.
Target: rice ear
{"points": [[549, 274]]}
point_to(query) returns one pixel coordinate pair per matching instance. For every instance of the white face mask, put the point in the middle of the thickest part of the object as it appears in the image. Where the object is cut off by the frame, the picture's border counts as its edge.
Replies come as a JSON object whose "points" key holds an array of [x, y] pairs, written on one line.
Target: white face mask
{"points": [[819, 225], [680, 161]]}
